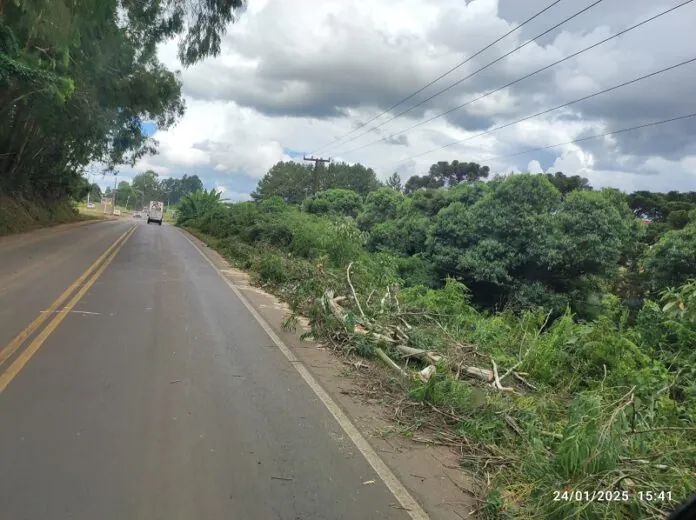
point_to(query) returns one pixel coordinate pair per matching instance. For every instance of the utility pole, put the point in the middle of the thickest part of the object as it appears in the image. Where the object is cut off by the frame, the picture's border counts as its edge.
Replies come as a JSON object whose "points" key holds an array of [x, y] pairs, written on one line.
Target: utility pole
{"points": [[89, 181], [113, 195], [316, 161]]}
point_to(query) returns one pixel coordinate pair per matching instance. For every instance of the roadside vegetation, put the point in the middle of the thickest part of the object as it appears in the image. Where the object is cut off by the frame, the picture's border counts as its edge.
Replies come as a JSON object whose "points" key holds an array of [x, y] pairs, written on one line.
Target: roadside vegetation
{"points": [[545, 328], [18, 215]]}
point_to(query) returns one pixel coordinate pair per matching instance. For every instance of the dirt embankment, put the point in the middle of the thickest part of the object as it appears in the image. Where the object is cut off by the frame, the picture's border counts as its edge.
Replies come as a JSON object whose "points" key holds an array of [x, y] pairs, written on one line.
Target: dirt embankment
{"points": [[18, 215]]}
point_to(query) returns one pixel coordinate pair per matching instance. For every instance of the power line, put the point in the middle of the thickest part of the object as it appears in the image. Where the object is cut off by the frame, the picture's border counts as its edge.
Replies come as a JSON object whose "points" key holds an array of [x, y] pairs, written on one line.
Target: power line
{"points": [[582, 51], [564, 105], [596, 136], [444, 74], [547, 31]]}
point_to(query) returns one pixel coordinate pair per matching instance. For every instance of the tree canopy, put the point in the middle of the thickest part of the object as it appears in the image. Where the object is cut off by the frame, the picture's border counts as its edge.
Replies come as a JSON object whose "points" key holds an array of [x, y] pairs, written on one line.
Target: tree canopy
{"points": [[77, 80], [293, 182], [147, 186]]}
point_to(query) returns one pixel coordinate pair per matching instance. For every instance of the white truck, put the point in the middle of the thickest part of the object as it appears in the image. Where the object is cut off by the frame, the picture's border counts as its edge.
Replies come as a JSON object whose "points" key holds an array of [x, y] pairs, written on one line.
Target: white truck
{"points": [[154, 212]]}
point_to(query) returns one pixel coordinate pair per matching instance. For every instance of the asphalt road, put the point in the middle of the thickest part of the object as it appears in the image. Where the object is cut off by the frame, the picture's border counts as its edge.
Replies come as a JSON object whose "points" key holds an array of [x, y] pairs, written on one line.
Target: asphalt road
{"points": [[158, 395]]}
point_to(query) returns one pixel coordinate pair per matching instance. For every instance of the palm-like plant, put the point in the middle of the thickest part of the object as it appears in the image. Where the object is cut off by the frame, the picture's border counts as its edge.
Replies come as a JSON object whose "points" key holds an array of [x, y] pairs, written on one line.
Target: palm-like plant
{"points": [[197, 204]]}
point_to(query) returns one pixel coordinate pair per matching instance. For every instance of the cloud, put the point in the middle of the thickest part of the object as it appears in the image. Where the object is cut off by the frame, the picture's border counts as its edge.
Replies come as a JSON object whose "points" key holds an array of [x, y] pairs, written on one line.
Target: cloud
{"points": [[293, 77]]}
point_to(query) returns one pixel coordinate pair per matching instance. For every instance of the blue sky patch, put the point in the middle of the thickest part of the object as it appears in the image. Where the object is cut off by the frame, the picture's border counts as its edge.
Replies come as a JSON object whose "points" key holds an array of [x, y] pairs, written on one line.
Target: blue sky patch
{"points": [[293, 153], [148, 128]]}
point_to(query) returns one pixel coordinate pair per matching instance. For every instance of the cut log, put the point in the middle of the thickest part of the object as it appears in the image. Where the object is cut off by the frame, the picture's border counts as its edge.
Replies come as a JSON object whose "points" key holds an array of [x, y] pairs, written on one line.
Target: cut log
{"points": [[482, 373], [425, 374], [431, 357]]}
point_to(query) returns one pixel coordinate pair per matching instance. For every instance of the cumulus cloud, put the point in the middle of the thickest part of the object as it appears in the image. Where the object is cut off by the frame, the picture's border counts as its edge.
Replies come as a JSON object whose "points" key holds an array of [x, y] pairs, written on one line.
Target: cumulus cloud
{"points": [[297, 76]]}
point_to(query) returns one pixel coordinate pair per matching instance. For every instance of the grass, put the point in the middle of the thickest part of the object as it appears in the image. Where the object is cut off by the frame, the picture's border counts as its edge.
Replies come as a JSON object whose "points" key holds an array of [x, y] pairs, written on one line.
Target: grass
{"points": [[19, 215]]}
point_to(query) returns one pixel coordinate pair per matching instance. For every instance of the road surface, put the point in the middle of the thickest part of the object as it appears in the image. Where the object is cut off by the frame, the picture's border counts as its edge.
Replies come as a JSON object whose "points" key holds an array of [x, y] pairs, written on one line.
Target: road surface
{"points": [[149, 391]]}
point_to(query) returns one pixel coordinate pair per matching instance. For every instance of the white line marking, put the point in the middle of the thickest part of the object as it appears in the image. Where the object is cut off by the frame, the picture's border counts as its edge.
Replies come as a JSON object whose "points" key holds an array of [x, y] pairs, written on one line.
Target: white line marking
{"points": [[399, 491]]}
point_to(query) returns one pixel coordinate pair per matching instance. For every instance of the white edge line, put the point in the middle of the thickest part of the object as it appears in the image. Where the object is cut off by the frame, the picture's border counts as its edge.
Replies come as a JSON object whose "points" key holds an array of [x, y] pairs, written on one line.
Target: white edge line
{"points": [[399, 491]]}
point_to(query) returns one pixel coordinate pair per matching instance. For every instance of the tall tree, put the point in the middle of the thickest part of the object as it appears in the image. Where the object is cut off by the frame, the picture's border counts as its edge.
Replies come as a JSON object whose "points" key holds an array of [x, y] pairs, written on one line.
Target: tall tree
{"points": [[148, 184], [125, 194], [78, 78], [289, 180], [394, 182], [451, 174], [418, 182], [191, 184], [95, 192], [355, 177], [566, 184]]}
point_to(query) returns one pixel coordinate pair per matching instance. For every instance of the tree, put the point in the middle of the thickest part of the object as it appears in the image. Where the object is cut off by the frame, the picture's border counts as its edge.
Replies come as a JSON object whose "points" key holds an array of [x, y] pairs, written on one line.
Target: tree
{"points": [[469, 193], [125, 194], [427, 201], [670, 262], [380, 205], [648, 205], [95, 192], [394, 182], [172, 189], [451, 174], [566, 184], [78, 78], [290, 181], [418, 182], [354, 177], [522, 242], [335, 201], [148, 185], [191, 184]]}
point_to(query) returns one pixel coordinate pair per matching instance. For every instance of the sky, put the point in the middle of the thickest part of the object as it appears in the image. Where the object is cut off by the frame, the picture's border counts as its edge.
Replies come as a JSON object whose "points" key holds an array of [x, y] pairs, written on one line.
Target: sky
{"points": [[295, 76]]}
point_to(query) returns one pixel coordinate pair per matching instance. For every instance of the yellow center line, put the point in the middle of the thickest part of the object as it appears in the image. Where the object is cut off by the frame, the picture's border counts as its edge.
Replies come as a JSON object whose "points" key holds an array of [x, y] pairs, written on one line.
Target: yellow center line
{"points": [[12, 370], [9, 349]]}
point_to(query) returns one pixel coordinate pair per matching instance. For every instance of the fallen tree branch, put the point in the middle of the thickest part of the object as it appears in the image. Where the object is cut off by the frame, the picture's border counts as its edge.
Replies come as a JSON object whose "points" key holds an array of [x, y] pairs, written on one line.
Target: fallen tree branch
{"points": [[369, 297], [667, 428], [496, 379], [512, 424], [510, 370], [402, 335], [481, 373], [355, 296], [390, 362], [552, 434], [523, 380], [330, 303], [644, 462], [419, 353], [384, 299]]}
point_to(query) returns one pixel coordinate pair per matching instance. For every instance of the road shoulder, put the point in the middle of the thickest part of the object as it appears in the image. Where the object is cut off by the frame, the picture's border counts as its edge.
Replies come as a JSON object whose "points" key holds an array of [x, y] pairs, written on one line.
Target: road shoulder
{"points": [[430, 473]]}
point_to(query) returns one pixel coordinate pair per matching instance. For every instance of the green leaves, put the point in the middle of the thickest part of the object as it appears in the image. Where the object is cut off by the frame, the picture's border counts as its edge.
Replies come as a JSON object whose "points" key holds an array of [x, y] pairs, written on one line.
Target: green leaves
{"points": [[680, 303], [672, 260], [334, 201], [197, 204], [77, 79]]}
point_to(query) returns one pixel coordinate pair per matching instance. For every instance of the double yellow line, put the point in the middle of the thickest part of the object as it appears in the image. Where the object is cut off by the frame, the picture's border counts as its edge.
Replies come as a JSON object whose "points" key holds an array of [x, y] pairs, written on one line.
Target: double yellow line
{"points": [[85, 281]]}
